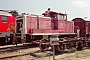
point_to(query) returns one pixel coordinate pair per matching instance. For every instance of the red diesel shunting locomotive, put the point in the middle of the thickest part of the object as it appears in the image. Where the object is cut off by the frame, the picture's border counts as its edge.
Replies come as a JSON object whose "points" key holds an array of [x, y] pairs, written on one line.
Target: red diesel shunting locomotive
{"points": [[37, 27]]}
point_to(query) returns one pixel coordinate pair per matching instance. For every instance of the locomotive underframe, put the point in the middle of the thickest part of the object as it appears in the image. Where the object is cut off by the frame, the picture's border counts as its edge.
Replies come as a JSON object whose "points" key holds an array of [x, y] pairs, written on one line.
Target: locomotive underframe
{"points": [[65, 42], [6, 38], [43, 41]]}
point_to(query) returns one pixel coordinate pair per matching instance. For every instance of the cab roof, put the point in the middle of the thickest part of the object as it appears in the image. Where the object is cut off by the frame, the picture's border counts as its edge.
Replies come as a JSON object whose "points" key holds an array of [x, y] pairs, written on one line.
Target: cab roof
{"points": [[5, 13]]}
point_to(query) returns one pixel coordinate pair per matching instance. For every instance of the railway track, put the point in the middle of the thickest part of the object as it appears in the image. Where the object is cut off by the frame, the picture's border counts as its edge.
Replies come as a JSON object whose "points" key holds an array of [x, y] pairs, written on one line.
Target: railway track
{"points": [[20, 52], [11, 51], [17, 55]]}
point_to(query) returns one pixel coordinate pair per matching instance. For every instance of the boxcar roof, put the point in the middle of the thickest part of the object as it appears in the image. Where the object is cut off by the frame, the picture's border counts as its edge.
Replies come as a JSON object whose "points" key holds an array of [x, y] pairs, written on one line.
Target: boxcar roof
{"points": [[78, 20], [81, 19]]}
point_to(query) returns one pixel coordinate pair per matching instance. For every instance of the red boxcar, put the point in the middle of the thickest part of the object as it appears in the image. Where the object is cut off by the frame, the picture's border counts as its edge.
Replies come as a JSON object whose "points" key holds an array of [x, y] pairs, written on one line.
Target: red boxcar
{"points": [[80, 23], [87, 24]]}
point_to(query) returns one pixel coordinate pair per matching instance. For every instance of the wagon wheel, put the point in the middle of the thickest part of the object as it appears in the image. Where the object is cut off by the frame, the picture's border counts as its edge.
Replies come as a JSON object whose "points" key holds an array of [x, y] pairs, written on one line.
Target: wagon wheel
{"points": [[89, 44], [44, 45]]}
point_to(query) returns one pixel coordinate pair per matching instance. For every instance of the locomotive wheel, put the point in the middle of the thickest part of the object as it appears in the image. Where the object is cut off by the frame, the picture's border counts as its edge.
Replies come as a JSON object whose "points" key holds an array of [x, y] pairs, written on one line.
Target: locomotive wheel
{"points": [[44, 45], [2, 41], [6, 39], [80, 47]]}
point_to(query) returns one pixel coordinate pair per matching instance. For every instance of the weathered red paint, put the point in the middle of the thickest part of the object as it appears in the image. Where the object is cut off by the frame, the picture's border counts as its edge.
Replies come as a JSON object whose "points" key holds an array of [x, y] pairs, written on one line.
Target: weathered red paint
{"points": [[51, 22], [69, 27], [44, 23], [61, 25], [31, 23]]}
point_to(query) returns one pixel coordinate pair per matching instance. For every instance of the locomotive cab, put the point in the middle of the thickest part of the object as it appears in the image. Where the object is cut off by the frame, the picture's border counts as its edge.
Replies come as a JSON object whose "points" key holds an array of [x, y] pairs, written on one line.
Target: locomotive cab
{"points": [[62, 16], [58, 16], [55, 16], [6, 22]]}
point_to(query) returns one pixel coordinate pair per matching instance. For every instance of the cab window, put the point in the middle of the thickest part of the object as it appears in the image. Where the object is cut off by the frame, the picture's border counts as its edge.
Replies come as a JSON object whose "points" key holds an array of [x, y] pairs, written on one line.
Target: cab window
{"points": [[54, 16], [4, 19], [61, 17]]}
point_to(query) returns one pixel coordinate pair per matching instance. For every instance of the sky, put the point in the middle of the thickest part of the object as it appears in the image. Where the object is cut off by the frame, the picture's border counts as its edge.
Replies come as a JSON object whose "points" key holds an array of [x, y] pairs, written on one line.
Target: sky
{"points": [[74, 8]]}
